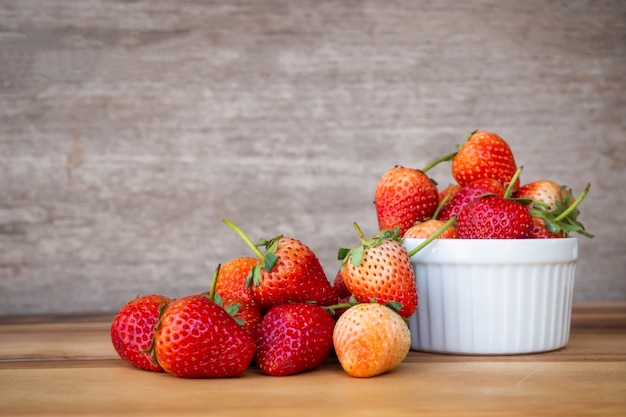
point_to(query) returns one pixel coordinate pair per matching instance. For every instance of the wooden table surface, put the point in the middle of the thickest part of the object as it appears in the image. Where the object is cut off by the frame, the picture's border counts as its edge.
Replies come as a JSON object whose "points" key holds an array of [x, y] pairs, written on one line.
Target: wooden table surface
{"points": [[66, 366]]}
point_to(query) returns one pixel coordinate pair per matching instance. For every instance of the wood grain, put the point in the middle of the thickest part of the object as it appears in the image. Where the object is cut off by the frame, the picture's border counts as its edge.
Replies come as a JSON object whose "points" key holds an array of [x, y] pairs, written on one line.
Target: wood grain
{"points": [[55, 365], [128, 129]]}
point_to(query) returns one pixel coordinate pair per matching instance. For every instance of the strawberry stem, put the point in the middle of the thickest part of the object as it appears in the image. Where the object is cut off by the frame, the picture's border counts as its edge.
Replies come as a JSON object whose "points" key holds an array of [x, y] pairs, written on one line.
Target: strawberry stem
{"points": [[432, 237], [245, 238], [441, 204], [360, 233], [509, 187], [214, 282], [437, 161], [575, 204]]}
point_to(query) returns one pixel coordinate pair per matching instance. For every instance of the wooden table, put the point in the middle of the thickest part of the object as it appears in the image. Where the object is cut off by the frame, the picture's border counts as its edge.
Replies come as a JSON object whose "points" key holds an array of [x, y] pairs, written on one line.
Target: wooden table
{"points": [[67, 366]]}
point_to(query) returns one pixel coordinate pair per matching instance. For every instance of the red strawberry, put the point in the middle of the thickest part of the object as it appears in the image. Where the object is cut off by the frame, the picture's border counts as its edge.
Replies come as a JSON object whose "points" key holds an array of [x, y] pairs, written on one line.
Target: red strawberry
{"points": [[422, 230], [340, 286], [289, 272], [484, 155], [494, 217], [380, 269], [198, 339], [404, 196], [132, 330], [468, 193], [231, 282], [294, 338], [245, 313]]}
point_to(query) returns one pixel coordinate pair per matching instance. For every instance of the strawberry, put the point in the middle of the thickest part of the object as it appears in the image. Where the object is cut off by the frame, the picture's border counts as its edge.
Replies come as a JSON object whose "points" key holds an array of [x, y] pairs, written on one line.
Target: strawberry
{"points": [[370, 339], [553, 208], [547, 192], [467, 193], [484, 155], [450, 190], [294, 338], [380, 269], [404, 196], [289, 272], [422, 230], [245, 313], [340, 286], [231, 282], [132, 330], [540, 230], [494, 217], [197, 338]]}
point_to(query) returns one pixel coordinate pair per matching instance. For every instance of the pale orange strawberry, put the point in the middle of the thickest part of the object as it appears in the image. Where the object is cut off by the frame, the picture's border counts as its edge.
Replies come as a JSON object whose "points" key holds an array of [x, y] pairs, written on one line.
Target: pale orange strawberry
{"points": [[422, 230], [545, 191], [553, 208], [370, 339]]}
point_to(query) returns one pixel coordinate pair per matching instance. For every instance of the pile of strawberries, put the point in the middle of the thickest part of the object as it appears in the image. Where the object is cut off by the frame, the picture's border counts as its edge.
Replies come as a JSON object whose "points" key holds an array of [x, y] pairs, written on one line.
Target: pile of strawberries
{"points": [[279, 312], [486, 202]]}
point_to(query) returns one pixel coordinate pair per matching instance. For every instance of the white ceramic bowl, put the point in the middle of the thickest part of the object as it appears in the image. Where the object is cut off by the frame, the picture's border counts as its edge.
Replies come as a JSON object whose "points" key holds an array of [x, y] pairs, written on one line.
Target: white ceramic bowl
{"points": [[493, 297]]}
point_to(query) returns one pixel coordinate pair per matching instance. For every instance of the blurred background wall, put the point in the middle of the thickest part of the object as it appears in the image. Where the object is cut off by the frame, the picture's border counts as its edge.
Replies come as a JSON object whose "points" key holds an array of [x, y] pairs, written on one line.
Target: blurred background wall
{"points": [[129, 129]]}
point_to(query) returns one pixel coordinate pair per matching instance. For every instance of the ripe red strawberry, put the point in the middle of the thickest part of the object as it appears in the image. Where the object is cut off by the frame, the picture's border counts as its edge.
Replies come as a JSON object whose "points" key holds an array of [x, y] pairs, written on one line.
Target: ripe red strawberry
{"points": [[370, 339], [484, 155], [198, 339], [468, 193], [245, 312], [294, 338], [340, 286], [423, 230], [494, 217], [289, 272], [231, 282], [132, 330], [404, 196], [380, 269]]}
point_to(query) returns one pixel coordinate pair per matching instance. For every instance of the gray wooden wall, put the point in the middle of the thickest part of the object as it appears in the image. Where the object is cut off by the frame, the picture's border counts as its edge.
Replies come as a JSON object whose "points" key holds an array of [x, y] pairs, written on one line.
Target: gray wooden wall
{"points": [[128, 129]]}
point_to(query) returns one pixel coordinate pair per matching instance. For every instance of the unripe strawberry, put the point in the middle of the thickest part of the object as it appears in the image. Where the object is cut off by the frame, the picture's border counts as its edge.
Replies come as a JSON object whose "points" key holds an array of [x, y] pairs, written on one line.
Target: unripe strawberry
{"points": [[370, 339]]}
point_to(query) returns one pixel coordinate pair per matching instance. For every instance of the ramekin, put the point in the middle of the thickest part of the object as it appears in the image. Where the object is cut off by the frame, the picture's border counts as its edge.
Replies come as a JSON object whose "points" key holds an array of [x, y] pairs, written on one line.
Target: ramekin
{"points": [[493, 297]]}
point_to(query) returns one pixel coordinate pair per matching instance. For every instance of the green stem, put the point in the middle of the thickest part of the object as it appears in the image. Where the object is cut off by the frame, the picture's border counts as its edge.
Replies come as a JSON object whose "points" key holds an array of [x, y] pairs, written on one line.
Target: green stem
{"points": [[436, 162], [432, 237], [360, 233], [245, 238], [509, 188], [338, 306], [214, 282], [575, 204], [441, 204]]}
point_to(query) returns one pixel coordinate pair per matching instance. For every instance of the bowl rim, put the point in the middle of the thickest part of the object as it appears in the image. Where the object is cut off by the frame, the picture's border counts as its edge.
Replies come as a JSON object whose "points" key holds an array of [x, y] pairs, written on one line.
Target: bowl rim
{"points": [[494, 251]]}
